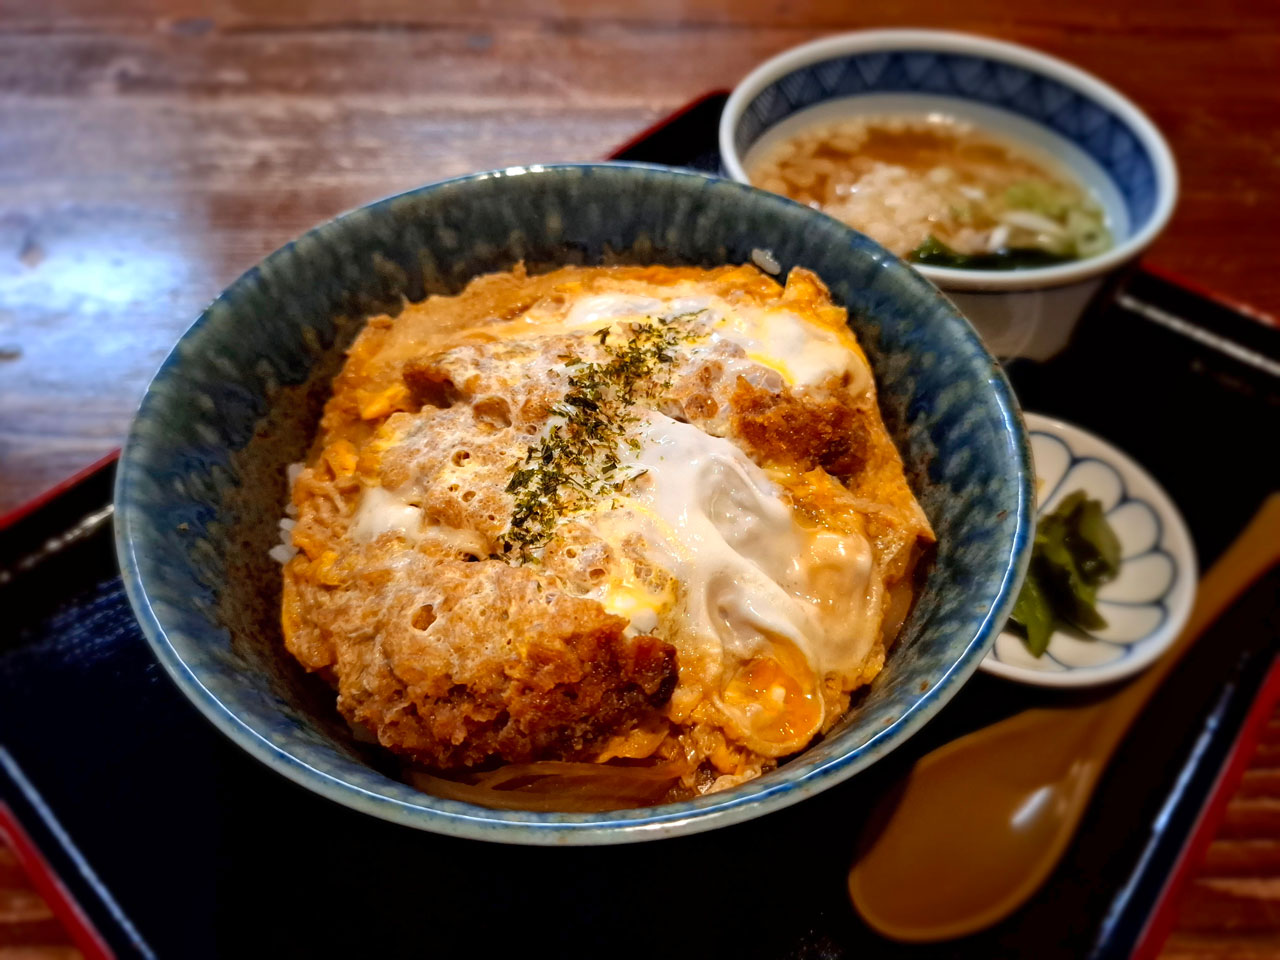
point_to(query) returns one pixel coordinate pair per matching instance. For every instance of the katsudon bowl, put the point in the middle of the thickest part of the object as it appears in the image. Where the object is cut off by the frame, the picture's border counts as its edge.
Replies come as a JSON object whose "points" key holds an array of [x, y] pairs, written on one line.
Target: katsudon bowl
{"points": [[203, 478]]}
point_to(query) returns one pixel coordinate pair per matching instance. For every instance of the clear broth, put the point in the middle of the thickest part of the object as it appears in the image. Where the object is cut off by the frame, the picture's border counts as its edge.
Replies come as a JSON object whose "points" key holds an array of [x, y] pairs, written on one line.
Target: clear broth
{"points": [[938, 191]]}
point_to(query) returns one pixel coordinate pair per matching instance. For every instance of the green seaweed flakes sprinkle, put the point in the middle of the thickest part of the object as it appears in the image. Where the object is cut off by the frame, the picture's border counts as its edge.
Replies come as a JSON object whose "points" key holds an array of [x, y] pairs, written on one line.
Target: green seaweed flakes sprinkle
{"points": [[577, 460]]}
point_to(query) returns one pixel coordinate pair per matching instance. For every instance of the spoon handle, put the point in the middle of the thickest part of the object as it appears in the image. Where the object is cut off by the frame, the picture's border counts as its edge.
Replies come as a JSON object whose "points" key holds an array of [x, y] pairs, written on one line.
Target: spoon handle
{"points": [[1254, 551]]}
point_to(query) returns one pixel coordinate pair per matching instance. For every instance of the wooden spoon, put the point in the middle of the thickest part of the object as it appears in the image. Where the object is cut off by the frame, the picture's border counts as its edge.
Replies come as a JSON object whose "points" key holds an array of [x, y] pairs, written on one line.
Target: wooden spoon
{"points": [[983, 820]]}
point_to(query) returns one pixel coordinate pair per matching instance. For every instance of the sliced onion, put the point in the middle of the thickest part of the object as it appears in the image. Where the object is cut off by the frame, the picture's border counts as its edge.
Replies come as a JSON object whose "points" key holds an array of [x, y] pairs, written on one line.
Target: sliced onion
{"points": [[1035, 222], [998, 238]]}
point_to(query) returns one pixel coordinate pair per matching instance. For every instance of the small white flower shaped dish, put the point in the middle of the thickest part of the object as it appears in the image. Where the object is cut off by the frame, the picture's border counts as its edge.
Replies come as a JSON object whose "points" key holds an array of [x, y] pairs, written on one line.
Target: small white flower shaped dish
{"points": [[1147, 604]]}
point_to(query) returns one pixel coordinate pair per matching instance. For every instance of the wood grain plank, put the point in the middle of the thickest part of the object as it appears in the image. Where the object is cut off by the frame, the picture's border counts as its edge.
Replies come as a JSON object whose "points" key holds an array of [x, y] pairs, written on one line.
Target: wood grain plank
{"points": [[1251, 818], [22, 905], [1238, 905], [840, 15], [1186, 946], [1242, 858], [1268, 755], [1260, 782]]}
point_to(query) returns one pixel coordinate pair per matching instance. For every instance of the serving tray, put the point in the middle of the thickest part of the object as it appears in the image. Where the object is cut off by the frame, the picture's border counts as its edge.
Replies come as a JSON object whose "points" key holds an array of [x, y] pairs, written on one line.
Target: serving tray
{"points": [[177, 844]]}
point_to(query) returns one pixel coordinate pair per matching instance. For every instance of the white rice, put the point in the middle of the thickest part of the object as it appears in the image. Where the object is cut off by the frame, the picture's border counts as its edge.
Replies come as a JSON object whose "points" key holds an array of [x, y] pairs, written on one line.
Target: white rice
{"points": [[765, 260], [284, 551]]}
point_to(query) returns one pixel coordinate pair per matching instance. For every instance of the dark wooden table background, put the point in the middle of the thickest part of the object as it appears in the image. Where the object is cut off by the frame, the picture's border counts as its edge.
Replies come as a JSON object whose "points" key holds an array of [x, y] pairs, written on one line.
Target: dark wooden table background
{"points": [[151, 150]]}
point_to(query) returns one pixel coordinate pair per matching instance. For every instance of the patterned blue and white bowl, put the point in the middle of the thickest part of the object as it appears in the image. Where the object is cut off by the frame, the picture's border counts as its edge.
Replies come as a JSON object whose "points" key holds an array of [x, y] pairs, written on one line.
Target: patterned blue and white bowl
{"points": [[202, 479], [1149, 601], [1094, 130]]}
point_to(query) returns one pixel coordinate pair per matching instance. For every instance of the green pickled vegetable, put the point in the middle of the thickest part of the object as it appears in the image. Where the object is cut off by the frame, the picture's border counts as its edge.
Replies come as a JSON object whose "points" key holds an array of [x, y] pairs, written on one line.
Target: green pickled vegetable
{"points": [[1071, 595], [1096, 544], [1034, 615], [1075, 551]]}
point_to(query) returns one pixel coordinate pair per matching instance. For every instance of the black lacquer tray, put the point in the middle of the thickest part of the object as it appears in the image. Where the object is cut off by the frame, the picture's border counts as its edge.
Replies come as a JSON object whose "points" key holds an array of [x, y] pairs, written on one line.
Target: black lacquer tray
{"points": [[178, 844]]}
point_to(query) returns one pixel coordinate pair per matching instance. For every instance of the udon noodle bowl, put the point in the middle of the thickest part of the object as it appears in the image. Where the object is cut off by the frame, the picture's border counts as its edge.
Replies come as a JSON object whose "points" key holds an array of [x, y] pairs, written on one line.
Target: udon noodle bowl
{"points": [[602, 537]]}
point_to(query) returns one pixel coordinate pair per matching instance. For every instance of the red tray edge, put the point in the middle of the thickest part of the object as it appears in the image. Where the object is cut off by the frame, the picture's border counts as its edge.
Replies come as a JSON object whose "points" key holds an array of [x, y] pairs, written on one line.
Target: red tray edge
{"points": [[1160, 924], [46, 883], [666, 121], [35, 503]]}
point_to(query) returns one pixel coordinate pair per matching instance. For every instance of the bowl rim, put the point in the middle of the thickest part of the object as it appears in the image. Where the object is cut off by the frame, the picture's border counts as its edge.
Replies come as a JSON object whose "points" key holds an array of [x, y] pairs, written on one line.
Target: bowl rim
{"points": [[613, 827], [952, 41]]}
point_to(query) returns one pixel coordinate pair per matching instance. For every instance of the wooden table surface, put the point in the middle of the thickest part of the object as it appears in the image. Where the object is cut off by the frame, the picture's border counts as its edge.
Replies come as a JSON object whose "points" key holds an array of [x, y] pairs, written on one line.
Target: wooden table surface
{"points": [[151, 150]]}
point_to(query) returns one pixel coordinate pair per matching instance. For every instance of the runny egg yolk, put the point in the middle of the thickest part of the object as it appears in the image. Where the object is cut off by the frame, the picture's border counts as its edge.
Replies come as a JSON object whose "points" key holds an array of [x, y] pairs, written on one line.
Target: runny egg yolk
{"points": [[636, 602], [775, 698], [773, 363]]}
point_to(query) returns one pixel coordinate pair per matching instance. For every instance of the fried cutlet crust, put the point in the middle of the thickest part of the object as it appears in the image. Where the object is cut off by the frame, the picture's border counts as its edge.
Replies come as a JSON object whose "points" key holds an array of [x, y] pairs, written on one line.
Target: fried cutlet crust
{"points": [[488, 661]]}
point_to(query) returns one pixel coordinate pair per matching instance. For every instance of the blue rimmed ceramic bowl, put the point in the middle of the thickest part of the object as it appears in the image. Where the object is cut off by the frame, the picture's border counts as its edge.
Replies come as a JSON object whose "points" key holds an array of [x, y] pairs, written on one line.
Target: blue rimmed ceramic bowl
{"points": [[201, 483], [1012, 91], [1148, 603]]}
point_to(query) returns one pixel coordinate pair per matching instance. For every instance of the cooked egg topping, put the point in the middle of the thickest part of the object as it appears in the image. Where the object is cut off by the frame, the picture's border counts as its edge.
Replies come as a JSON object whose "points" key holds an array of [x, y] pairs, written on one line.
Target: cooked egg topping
{"points": [[765, 608], [804, 353], [682, 460]]}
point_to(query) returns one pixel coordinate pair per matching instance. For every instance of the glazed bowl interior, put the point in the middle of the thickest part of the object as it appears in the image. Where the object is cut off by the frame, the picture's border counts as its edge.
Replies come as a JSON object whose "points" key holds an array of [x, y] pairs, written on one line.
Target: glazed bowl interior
{"points": [[201, 484], [1020, 94]]}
